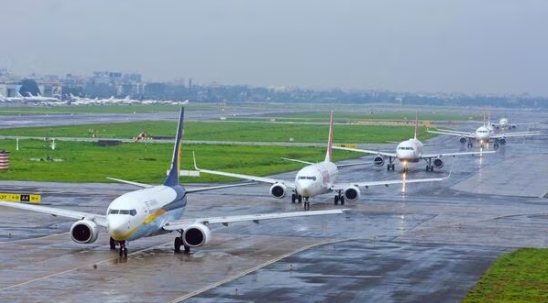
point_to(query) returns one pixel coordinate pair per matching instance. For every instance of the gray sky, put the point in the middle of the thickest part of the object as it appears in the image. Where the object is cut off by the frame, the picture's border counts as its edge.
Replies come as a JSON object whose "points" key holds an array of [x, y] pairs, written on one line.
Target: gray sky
{"points": [[486, 46]]}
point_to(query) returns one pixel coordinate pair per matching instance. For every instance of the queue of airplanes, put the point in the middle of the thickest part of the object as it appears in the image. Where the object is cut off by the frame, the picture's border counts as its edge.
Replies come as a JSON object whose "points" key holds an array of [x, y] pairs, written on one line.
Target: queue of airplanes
{"points": [[153, 210], [486, 133], [411, 151]]}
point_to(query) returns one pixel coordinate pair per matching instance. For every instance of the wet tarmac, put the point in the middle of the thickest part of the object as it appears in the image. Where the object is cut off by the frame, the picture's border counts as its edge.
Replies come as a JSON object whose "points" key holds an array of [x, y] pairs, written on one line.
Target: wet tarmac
{"points": [[418, 243]]}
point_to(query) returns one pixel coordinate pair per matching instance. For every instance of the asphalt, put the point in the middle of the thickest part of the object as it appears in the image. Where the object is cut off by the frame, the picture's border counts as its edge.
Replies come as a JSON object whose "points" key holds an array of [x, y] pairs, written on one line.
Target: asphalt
{"points": [[427, 242]]}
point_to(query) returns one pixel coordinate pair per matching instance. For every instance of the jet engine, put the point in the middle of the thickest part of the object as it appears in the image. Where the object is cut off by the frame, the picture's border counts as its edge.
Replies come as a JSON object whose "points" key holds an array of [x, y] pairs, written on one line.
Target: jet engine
{"points": [[502, 140], [196, 235], [378, 161], [438, 163], [352, 193], [278, 190], [462, 140], [84, 231]]}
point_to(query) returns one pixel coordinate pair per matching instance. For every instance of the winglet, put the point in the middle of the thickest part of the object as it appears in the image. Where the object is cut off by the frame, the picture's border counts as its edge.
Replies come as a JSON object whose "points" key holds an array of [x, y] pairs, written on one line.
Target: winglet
{"points": [[329, 140], [173, 175]]}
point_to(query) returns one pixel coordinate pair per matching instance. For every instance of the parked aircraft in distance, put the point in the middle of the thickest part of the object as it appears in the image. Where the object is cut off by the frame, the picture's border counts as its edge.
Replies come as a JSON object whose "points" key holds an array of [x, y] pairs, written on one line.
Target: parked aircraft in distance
{"points": [[410, 151], [316, 179], [153, 210]]}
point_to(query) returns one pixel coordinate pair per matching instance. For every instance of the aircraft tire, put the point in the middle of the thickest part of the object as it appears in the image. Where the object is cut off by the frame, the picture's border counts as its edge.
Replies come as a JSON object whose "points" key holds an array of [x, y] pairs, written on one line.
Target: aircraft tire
{"points": [[112, 244], [177, 244], [342, 200], [336, 200]]}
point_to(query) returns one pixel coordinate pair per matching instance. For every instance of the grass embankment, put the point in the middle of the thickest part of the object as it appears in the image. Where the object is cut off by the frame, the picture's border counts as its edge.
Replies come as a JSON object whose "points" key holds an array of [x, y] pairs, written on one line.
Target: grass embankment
{"points": [[147, 163], [231, 131], [520, 276]]}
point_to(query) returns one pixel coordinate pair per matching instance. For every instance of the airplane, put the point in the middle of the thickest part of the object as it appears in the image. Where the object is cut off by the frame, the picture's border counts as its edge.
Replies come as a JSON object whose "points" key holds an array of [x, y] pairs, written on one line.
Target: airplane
{"points": [[315, 179], [504, 125], [154, 210], [483, 134], [38, 98], [410, 151]]}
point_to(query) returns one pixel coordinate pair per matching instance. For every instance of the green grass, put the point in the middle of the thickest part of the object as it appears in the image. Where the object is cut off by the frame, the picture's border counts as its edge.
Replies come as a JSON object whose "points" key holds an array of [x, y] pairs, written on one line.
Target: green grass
{"points": [[520, 276], [231, 131], [147, 163]]}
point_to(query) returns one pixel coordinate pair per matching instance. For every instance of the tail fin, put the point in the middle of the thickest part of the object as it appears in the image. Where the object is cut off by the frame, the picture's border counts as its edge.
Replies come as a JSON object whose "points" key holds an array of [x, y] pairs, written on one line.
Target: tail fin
{"points": [[329, 140], [173, 175], [416, 124]]}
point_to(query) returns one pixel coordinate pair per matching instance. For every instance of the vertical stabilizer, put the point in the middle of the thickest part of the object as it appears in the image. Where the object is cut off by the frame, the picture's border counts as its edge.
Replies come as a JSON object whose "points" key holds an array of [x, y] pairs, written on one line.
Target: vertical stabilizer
{"points": [[173, 175], [329, 140], [416, 124]]}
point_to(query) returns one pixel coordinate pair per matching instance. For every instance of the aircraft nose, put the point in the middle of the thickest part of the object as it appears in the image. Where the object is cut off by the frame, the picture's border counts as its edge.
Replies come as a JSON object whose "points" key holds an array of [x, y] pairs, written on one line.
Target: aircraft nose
{"points": [[304, 189], [118, 228]]}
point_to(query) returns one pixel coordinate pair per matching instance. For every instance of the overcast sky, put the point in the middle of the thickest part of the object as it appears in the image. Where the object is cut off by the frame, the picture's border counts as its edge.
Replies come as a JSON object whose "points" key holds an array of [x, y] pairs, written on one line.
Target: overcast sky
{"points": [[486, 46]]}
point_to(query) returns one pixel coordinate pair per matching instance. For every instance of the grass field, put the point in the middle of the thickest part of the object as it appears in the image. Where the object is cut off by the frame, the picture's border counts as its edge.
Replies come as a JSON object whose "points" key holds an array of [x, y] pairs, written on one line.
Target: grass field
{"points": [[88, 162], [231, 131], [520, 276], [101, 109]]}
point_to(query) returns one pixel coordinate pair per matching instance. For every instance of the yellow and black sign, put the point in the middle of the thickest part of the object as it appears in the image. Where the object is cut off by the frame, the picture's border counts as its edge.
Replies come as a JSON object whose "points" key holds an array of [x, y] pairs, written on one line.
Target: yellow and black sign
{"points": [[11, 197]]}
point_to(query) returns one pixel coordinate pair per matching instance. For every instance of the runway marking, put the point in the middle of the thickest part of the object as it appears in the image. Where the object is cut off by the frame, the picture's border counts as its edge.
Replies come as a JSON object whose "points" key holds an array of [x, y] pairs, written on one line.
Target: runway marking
{"points": [[243, 273]]}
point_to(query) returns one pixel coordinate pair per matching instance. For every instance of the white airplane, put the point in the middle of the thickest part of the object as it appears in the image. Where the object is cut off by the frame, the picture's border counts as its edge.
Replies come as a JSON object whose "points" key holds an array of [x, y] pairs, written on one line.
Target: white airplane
{"points": [[504, 125], [39, 98], [483, 134], [316, 179], [154, 210], [409, 151], [10, 99]]}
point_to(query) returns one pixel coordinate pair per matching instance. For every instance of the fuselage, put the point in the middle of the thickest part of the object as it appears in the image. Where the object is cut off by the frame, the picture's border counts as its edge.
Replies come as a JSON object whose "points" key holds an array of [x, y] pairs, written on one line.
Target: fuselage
{"points": [[143, 212], [483, 133], [316, 179], [503, 123], [409, 151]]}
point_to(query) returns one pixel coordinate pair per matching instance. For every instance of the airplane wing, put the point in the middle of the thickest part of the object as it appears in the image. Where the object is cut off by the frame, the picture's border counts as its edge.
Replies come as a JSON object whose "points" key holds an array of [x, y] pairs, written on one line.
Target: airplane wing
{"points": [[343, 186], [452, 133], [366, 151], [131, 182], [298, 161], [182, 224], [290, 184], [78, 215], [516, 134], [199, 189], [427, 156]]}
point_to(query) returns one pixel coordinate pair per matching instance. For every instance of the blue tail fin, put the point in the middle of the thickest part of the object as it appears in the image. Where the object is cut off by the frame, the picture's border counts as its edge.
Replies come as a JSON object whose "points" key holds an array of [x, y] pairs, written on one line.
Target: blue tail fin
{"points": [[173, 175]]}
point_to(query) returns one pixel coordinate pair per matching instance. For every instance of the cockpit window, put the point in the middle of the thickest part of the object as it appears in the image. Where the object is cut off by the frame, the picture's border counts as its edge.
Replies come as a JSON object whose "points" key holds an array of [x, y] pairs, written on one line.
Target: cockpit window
{"points": [[307, 178], [131, 212]]}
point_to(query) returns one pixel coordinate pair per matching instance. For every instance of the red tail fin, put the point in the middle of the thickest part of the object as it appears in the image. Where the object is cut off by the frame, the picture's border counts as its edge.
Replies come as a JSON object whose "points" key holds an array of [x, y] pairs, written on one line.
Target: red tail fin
{"points": [[329, 140]]}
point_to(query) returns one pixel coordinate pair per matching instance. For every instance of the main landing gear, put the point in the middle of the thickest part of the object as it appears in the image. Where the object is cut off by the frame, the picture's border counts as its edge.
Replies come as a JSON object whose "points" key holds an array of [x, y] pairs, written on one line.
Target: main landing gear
{"points": [[390, 166], [429, 166], [179, 242], [123, 249], [339, 198], [299, 199], [470, 144], [296, 197]]}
